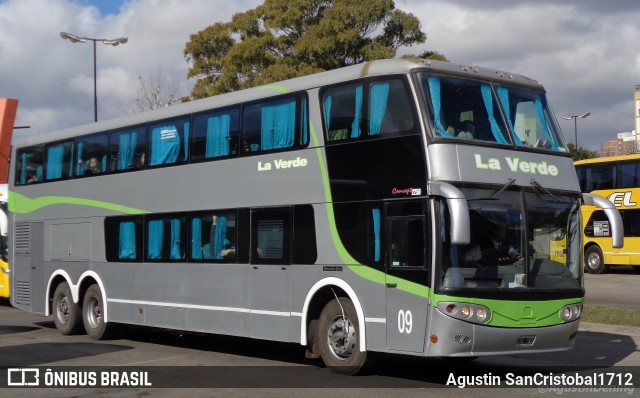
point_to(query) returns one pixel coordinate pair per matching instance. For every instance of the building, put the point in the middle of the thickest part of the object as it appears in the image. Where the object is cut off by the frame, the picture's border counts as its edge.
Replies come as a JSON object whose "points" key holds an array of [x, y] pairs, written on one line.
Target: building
{"points": [[629, 142]]}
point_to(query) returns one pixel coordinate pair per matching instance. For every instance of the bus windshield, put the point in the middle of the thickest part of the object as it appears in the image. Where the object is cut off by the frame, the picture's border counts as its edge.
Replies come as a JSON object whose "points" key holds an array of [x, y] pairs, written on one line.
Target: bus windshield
{"points": [[519, 241], [466, 109]]}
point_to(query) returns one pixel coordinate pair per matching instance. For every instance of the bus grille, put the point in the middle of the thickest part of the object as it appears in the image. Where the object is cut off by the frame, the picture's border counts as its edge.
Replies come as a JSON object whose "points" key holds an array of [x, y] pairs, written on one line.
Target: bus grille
{"points": [[23, 293], [23, 238]]}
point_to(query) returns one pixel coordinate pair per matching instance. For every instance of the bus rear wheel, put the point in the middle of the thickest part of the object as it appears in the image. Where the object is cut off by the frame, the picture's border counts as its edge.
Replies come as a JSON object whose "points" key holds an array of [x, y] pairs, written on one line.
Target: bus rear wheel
{"points": [[338, 334], [66, 314], [93, 315], [594, 261]]}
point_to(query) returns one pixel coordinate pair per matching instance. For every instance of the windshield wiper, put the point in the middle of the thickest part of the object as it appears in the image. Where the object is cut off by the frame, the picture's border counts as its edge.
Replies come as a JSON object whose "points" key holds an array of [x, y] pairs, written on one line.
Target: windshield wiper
{"points": [[510, 182], [544, 190]]}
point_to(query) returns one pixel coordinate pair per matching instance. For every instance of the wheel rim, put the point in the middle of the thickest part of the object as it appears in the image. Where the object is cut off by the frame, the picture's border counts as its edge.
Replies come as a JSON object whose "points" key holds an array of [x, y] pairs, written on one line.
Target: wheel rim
{"points": [[341, 336], [62, 309], [94, 313], [593, 260]]}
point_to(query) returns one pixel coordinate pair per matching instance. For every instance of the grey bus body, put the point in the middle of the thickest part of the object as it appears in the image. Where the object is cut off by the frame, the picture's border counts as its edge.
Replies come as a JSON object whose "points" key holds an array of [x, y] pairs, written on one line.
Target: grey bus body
{"points": [[64, 230]]}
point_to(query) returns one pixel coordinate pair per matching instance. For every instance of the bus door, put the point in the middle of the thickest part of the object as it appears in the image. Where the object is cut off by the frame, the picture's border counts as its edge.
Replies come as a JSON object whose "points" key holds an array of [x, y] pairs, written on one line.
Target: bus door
{"points": [[270, 273], [406, 300]]}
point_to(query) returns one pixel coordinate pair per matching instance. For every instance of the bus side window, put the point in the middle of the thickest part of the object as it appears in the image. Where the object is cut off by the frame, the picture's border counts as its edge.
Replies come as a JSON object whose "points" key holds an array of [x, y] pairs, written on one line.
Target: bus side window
{"points": [[166, 238], [169, 142], [271, 236], [29, 166], [123, 238], [213, 237], [91, 155], [59, 161], [342, 108], [390, 111], [128, 149], [270, 125]]}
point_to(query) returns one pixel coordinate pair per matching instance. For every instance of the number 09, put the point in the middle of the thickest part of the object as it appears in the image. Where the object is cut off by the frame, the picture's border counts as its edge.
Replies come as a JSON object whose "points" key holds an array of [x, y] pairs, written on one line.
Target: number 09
{"points": [[405, 321]]}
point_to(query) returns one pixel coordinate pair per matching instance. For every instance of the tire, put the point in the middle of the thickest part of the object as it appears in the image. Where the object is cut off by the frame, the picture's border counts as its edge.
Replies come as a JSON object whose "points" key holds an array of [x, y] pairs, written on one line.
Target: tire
{"points": [[93, 315], [67, 315], [340, 352], [594, 261]]}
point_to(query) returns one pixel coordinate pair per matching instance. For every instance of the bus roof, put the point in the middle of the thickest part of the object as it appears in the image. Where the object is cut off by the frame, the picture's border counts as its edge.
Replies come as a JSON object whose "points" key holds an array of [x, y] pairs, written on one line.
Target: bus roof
{"points": [[367, 69], [607, 159]]}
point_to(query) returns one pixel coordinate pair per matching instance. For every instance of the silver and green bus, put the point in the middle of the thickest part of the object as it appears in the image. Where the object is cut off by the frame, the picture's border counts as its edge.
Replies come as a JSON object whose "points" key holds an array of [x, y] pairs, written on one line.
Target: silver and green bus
{"points": [[351, 211]]}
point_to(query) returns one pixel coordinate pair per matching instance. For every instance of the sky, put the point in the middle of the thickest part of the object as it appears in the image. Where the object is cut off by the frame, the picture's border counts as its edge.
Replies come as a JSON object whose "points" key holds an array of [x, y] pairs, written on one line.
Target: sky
{"points": [[585, 52]]}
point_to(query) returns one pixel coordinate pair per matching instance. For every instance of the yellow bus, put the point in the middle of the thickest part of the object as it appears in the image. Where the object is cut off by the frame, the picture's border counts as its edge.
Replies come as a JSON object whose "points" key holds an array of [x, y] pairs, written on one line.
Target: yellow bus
{"points": [[617, 178], [4, 227]]}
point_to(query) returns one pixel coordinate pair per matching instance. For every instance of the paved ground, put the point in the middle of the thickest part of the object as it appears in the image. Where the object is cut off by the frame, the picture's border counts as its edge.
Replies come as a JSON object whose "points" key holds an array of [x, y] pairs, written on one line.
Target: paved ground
{"points": [[225, 364]]}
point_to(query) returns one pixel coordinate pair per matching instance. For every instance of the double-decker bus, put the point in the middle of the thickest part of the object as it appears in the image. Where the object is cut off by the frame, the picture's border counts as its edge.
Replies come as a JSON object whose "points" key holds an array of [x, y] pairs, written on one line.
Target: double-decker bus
{"points": [[350, 211], [618, 179]]}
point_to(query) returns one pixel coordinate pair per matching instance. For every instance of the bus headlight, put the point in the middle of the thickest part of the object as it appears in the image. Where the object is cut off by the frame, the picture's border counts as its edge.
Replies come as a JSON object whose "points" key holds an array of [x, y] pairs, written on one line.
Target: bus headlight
{"points": [[571, 312], [466, 312]]}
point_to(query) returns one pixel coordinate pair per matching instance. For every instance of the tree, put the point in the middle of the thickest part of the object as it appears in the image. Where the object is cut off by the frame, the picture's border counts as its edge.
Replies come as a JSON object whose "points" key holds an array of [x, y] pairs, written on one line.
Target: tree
{"points": [[581, 153], [283, 39], [154, 92]]}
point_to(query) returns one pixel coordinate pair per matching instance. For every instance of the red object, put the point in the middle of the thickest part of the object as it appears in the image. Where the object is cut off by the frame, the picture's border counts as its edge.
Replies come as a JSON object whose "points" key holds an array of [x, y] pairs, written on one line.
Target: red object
{"points": [[8, 109]]}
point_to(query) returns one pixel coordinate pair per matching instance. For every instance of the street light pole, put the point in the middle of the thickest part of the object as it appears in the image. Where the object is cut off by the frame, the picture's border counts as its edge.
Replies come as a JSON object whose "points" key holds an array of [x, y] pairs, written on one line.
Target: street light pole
{"points": [[575, 124], [111, 42]]}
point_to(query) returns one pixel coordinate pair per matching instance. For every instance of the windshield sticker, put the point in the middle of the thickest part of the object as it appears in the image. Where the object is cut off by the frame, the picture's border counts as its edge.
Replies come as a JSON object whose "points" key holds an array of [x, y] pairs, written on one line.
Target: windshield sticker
{"points": [[280, 164], [516, 165]]}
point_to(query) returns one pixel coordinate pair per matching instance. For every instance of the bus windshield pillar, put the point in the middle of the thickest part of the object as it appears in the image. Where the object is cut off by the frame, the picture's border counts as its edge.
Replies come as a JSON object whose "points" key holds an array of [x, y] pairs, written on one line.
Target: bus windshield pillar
{"points": [[458, 211], [617, 235]]}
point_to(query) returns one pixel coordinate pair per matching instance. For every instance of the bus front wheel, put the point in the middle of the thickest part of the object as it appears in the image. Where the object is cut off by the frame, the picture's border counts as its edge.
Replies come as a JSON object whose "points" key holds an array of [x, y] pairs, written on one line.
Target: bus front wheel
{"points": [[66, 314], [93, 315], [594, 261], [338, 335]]}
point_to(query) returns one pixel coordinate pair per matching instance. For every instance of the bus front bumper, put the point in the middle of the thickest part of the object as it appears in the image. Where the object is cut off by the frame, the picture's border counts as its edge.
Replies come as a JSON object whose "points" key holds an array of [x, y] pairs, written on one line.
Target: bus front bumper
{"points": [[459, 339]]}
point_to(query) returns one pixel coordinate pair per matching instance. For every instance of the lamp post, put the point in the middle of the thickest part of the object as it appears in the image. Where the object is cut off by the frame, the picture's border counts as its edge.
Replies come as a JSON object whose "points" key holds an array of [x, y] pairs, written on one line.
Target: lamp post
{"points": [[111, 42], [575, 124]]}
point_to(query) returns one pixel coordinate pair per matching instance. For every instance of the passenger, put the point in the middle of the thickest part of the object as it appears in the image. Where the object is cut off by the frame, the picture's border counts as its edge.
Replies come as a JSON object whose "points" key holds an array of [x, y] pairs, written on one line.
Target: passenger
{"points": [[32, 177], [92, 166], [490, 253]]}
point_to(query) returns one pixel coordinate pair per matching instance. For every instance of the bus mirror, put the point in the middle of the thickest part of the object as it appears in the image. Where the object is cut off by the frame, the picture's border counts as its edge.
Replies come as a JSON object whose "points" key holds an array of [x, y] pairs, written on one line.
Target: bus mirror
{"points": [[458, 211], [617, 234]]}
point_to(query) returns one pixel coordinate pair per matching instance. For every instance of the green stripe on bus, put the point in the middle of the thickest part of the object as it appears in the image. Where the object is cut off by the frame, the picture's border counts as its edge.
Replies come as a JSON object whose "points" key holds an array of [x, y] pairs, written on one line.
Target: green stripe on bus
{"points": [[516, 314], [362, 271], [21, 204], [276, 87]]}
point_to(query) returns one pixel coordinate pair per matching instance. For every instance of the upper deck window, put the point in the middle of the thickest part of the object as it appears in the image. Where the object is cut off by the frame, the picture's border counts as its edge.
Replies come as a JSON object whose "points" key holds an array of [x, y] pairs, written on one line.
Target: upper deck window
{"points": [[59, 161], [169, 142], [215, 135], [380, 108], [274, 124], [471, 110], [128, 148], [29, 168], [464, 109], [530, 118]]}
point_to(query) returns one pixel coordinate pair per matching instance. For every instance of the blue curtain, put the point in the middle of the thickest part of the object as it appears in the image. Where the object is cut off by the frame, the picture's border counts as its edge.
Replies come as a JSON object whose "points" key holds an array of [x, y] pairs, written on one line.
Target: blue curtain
{"points": [[127, 241], [176, 243], [196, 238], [218, 128], [220, 238], [434, 92], [355, 126], [278, 125], [155, 239], [327, 111], [545, 126], [487, 97], [503, 96], [55, 156], [23, 169], [378, 106], [375, 213], [165, 145], [79, 167], [126, 150]]}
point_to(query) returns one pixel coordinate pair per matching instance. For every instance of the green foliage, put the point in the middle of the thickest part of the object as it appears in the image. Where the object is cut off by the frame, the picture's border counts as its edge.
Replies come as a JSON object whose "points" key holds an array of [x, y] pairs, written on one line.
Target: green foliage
{"points": [[581, 153], [283, 39]]}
